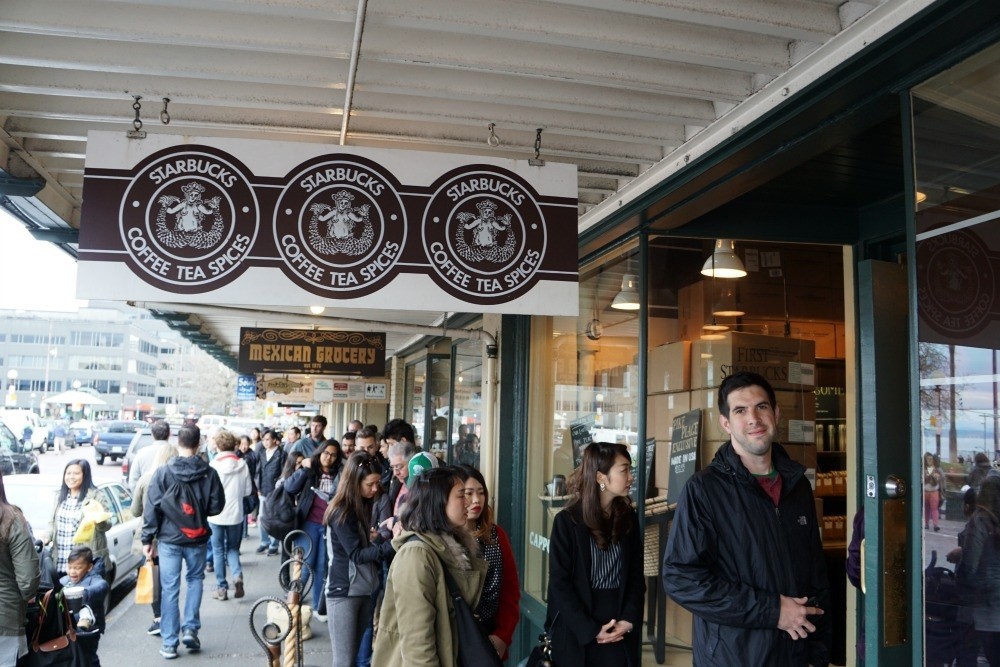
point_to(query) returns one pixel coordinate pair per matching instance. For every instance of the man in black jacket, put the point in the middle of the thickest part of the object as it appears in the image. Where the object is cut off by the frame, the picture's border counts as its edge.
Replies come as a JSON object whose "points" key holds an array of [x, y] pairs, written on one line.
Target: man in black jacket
{"points": [[181, 496], [269, 466], [744, 554]]}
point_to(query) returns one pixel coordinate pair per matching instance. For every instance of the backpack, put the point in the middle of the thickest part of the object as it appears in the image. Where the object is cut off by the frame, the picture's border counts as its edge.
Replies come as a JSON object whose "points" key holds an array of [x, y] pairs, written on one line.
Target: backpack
{"points": [[182, 505], [279, 517]]}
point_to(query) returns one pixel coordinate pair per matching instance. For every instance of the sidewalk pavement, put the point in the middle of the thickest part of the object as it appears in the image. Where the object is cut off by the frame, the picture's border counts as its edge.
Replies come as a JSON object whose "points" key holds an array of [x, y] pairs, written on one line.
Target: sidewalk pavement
{"points": [[225, 634]]}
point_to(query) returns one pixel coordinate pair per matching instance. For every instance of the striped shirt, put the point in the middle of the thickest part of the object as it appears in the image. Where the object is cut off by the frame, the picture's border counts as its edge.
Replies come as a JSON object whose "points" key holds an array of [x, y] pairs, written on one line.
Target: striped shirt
{"points": [[606, 566]]}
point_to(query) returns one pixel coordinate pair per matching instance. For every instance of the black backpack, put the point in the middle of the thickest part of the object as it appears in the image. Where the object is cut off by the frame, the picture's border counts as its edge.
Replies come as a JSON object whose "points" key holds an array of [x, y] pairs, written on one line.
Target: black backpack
{"points": [[279, 517], [181, 504]]}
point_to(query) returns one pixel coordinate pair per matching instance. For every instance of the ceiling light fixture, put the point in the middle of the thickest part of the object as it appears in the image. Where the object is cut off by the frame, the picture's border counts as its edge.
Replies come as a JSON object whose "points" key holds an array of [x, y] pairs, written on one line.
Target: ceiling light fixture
{"points": [[715, 327], [628, 297], [728, 304], [723, 262], [317, 310]]}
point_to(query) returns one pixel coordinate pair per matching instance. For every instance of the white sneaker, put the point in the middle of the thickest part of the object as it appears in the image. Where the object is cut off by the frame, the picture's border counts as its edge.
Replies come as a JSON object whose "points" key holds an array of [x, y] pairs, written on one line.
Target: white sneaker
{"points": [[320, 617]]}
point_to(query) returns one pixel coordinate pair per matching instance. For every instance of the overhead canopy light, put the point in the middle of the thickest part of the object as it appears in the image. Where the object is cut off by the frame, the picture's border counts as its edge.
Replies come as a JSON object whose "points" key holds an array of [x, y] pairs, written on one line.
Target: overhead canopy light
{"points": [[723, 263], [728, 305], [628, 297]]}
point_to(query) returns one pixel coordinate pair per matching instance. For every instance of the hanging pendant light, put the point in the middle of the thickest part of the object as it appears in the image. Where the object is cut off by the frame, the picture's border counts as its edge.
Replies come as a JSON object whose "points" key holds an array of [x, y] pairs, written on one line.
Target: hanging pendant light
{"points": [[628, 297], [723, 262], [728, 304]]}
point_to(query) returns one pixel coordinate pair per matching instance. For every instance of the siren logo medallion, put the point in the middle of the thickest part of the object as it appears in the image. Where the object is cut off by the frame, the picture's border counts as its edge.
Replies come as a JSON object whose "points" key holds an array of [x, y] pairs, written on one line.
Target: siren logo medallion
{"points": [[189, 218], [340, 226], [484, 235], [957, 287]]}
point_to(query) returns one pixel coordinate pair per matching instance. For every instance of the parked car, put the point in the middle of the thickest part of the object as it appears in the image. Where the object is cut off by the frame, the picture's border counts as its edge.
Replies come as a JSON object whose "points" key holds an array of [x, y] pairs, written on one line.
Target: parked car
{"points": [[36, 495], [142, 439], [80, 433], [16, 456], [111, 439], [17, 420]]}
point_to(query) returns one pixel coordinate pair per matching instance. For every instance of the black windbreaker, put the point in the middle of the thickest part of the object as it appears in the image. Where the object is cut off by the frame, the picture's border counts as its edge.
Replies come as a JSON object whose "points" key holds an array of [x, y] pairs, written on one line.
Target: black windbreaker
{"points": [[731, 553]]}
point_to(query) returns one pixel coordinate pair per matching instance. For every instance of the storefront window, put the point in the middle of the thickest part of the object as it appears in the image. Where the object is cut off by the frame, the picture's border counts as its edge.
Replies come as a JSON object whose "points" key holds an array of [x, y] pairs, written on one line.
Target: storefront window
{"points": [[416, 375], [583, 388], [957, 168], [466, 412]]}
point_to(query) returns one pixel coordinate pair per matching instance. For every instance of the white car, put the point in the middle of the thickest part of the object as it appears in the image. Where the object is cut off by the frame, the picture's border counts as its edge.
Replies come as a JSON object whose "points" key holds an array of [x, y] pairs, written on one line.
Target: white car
{"points": [[17, 419], [36, 495]]}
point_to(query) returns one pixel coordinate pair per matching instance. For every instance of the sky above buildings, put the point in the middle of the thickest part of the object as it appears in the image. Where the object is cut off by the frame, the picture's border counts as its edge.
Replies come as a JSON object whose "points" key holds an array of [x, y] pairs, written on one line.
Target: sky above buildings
{"points": [[34, 275]]}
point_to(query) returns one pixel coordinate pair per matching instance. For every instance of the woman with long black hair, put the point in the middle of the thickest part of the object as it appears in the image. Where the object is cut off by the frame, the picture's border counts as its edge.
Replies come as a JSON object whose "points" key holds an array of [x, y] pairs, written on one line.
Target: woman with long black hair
{"points": [[499, 607], [315, 483], [417, 622], [596, 585], [354, 547], [77, 490]]}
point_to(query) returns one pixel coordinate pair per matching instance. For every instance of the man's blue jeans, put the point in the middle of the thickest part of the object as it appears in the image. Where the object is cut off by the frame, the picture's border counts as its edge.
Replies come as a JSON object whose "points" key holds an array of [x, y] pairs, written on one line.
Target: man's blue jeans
{"points": [[226, 542], [171, 557]]}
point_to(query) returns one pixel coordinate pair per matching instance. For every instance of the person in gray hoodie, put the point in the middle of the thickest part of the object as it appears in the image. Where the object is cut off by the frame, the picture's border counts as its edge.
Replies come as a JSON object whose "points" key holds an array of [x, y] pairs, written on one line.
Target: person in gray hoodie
{"points": [[180, 498], [227, 526]]}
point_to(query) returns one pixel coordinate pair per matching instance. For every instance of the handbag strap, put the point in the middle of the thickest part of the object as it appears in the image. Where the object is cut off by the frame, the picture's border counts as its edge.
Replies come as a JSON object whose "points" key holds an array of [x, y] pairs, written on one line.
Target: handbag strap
{"points": [[448, 579], [69, 631]]}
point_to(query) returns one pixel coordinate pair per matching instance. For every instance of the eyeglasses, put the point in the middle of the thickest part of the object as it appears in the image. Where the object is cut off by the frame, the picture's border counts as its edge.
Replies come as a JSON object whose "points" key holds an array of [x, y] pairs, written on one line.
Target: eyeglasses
{"points": [[398, 468]]}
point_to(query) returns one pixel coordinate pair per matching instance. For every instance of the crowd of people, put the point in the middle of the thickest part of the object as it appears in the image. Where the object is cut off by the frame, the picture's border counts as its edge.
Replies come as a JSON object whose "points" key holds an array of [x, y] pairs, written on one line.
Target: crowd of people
{"points": [[358, 500]]}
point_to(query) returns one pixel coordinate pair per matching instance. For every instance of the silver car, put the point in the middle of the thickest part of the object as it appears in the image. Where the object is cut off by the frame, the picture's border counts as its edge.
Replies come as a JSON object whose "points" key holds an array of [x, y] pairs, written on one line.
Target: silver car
{"points": [[36, 495]]}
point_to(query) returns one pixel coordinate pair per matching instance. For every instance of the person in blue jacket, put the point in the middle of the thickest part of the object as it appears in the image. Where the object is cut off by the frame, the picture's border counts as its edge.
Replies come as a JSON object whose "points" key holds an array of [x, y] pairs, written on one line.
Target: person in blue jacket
{"points": [[80, 571]]}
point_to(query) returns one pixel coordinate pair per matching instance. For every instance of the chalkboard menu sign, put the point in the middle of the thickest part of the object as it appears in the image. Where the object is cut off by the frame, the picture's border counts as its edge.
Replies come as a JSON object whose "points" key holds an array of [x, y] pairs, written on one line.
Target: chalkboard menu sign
{"points": [[684, 444], [650, 453], [579, 433]]}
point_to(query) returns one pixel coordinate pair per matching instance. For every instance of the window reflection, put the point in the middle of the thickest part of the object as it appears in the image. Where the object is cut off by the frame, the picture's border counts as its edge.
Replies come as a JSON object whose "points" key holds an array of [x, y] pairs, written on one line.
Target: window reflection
{"points": [[957, 156], [584, 387]]}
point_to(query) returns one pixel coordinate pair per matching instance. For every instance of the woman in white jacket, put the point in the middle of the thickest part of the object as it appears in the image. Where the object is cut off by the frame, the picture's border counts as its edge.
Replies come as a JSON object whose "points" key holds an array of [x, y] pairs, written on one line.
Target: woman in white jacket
{"points": [[227, 526]]}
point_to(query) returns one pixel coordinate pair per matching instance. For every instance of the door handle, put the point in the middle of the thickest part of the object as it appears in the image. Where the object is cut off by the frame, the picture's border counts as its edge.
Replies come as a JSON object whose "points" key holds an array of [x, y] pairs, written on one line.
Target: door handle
{"points": [[895, 486]]}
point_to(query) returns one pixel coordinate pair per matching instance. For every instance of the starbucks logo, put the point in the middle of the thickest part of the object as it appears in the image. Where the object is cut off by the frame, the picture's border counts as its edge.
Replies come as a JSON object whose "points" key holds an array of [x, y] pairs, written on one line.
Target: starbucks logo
{"points": [[340, 226], [189, 219], [484, 235], [957, 286]]}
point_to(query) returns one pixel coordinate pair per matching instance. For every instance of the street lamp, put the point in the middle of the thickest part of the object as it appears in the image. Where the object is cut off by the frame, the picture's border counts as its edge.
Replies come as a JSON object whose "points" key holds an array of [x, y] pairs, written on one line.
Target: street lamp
{"points": [[53, 352], [12, 388]]}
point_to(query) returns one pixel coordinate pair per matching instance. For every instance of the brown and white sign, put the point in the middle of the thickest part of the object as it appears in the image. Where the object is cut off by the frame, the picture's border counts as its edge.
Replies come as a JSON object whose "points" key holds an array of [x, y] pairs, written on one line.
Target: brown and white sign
{"points": [[313, 352], [248, 222]]}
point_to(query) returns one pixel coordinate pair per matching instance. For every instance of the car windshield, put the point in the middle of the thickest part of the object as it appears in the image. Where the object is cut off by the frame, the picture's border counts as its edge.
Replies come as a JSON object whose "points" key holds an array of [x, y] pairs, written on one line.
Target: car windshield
{"points": [[123, 427]]}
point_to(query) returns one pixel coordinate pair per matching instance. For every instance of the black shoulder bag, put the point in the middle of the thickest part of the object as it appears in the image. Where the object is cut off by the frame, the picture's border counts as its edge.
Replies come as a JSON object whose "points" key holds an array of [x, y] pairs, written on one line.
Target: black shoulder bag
{"points": [[541, 655], [474, 646]]}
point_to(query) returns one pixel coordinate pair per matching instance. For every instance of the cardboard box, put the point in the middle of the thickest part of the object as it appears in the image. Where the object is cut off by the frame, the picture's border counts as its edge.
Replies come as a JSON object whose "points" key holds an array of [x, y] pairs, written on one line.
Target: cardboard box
{"points": [[679, 621], [661, 465], [804, 454], [661, 410], [669, 367], [691, 310], [787, 363]]}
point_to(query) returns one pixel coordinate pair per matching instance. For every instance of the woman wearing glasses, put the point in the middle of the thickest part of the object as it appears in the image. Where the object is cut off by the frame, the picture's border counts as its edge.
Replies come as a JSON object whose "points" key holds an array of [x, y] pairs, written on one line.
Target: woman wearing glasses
{"points": [[315, 483], [356, 555]]}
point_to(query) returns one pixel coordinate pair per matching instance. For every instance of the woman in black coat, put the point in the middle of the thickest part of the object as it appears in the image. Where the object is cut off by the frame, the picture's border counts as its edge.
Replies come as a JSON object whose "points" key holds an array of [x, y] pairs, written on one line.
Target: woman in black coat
{"points": [[596, 585]]}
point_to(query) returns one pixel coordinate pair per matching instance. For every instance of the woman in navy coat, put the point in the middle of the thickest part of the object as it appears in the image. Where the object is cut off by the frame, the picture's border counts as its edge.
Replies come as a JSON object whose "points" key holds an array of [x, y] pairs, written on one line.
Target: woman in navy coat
{"points": [[596, 585]]}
